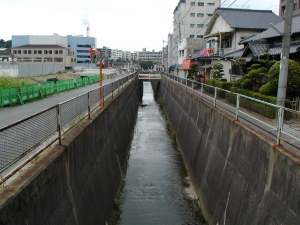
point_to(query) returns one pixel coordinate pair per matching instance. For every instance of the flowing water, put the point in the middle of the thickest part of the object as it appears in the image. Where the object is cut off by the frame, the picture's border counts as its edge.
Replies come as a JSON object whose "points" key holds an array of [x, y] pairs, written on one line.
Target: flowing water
{"points": [[156, 189]]}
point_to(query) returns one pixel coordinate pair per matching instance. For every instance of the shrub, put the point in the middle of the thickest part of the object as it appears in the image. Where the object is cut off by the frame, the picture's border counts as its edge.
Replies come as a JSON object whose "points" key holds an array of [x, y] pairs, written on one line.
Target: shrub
{"points": [[293, 82], [266, 89]]}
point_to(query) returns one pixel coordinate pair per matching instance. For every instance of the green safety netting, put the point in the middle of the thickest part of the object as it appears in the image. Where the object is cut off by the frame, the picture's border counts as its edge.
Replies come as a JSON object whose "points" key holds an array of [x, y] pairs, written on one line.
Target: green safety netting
{"points": [[47, 88], [60, 86], [8, 96], [79, 82]]}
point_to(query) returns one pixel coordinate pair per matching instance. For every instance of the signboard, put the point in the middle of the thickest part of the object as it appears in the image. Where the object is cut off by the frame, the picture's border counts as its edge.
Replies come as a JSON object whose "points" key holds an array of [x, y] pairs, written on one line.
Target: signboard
{"points": [[207, 52]]}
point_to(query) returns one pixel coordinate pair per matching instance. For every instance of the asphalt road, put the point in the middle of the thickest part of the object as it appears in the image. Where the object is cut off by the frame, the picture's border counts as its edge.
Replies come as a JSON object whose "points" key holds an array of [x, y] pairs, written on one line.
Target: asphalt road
{"points": [[10, 115]]}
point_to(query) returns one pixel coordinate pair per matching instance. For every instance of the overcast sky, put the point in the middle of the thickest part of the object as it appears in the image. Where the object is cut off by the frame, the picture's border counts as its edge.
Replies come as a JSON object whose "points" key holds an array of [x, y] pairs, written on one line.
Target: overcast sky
{"points": [[118, 24]]}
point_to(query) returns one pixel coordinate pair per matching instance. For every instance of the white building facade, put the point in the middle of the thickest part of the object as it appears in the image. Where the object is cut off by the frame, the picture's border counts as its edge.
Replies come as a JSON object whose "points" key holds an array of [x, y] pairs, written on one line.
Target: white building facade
{"points": [[190, 18]]}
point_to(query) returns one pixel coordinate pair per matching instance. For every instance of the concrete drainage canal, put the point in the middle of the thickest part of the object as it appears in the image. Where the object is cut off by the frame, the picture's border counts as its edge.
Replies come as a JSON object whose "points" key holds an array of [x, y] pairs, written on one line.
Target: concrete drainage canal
{"points": [[157, 189]]}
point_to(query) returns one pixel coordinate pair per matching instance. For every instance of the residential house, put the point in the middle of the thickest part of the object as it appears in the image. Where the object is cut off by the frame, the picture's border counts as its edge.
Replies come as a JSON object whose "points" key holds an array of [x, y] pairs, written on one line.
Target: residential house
{"points": [[282, 4], [227, 27], [271, 40]]}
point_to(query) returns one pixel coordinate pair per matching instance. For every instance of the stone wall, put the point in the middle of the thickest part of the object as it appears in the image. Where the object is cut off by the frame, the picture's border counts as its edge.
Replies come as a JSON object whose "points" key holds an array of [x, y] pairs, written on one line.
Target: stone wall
{"points": [[240, 176]]}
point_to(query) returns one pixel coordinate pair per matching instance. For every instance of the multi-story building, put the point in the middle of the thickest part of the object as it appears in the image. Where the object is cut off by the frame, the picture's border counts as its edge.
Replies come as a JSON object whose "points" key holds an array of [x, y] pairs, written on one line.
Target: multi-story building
{"points": [[282, 4], [190, 18], [81, 46], [116, 54], [45, 54], [78, 43], [106, 54], [155, 57]]}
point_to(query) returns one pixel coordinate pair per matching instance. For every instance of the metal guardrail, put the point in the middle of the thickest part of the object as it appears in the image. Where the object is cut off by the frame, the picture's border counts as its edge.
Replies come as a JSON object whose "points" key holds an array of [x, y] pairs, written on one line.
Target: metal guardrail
{"points": [[24, 140], [282, 124]]}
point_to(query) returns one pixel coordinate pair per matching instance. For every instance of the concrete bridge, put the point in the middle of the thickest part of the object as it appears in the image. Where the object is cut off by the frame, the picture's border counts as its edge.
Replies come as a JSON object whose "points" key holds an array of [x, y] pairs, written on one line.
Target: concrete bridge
{"points": [[240, 175], [150, 77]]}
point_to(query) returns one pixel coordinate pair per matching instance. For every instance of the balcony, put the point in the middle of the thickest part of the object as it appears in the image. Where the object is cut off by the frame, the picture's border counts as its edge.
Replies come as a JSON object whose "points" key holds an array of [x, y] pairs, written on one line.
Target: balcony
{"points": [[215, 52]]}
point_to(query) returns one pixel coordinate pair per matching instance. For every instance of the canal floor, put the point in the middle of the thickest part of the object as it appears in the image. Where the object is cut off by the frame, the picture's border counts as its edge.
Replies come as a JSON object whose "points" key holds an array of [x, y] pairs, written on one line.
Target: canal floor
{"points": [[156, 188]]}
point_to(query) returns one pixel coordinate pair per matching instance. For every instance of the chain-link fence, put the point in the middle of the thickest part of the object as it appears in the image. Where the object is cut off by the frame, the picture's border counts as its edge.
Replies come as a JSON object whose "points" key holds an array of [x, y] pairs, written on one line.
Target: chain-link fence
{"points": [[21, 138]]}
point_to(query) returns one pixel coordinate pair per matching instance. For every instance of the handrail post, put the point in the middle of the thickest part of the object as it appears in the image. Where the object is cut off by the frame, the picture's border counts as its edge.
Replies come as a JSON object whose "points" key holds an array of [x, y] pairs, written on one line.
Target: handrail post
{"points": [[193, 86], [112, 90], [59, 124], [215, 98], [280, 124], [237, 108], [89, 105], [201, 90]]}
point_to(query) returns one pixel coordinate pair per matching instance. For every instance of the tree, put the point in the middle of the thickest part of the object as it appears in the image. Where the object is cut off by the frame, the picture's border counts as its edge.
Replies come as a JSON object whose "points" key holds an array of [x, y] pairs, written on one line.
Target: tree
{"points": [[293, 82], [218, 72], [193, 71], [5, 44], [240, 62], [146, 64]]}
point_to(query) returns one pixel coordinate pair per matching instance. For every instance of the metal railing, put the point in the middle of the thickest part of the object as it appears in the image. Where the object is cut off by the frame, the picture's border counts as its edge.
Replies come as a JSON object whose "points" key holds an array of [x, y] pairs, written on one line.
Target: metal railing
{"points": [[24, 140], [279, 123]]}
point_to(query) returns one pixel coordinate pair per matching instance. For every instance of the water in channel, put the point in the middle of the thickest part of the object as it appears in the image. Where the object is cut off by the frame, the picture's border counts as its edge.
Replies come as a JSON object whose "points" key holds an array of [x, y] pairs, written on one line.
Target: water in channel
{"points": [[156, 183]]}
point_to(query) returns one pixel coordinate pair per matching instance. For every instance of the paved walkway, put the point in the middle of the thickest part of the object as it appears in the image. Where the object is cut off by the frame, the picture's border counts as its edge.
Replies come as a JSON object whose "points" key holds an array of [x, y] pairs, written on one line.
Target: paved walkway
{"points": [[9, 115]]}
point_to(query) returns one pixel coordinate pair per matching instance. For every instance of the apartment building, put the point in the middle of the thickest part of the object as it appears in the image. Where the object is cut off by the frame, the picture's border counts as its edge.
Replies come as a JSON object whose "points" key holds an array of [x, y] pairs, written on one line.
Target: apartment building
{"points": [[144, 55], [45, 54], [190, 18]]}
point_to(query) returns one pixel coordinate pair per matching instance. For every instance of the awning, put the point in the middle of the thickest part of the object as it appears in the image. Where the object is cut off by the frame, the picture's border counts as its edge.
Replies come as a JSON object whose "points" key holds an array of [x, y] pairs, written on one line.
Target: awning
{"points": [[208, 65], [186, 64]]}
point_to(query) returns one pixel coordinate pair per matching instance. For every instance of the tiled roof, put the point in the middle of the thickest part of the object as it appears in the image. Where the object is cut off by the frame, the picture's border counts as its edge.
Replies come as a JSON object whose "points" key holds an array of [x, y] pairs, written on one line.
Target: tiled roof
{"points": [[234, 54], [249, 19], [271, 33], [39, 46], [244, 18], [257, 50]]}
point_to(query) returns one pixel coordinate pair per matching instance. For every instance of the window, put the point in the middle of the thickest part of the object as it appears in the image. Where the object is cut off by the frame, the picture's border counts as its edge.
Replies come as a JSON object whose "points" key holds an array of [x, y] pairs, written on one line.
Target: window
{"points": [[192, 25], [45, 51], [200, 14], [60, 52], [48, 60], [74, 60], [24, 51], [295, 6], [39, 51], [58, 59], [192, 3], [192, 14], [192, 36], [29, 51], [50, 51], [209, 14], [19, 51], [71, 59], [211, 3], [55, 51], [37, 60], [200, 3], [35, 52], [14, 51], [199, 36], [200, 25]]}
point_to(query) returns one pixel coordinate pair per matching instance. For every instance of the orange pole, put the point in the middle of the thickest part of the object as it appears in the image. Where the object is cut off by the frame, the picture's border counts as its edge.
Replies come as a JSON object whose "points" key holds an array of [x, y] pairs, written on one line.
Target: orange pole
{"points": [[101, 82]]}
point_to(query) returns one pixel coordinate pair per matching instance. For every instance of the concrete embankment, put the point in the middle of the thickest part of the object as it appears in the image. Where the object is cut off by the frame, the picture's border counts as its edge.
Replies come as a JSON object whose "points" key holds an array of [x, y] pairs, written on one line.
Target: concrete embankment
{"points": [[77, 182], [240, 176]]}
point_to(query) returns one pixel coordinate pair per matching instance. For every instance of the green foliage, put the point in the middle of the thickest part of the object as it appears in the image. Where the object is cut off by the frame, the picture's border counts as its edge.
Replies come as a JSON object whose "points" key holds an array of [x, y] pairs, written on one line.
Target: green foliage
{"points": [[193, 71], [218, 72], [293, 82], [6, 82], [146, 64], [266, 89], [5, 44], [171, 69]]}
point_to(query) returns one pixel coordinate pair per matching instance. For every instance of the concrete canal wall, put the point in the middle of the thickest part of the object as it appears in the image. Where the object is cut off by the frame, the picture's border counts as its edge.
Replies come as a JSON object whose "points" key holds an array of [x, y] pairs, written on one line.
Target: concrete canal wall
{"points": [[240, 176], [76, 183]]}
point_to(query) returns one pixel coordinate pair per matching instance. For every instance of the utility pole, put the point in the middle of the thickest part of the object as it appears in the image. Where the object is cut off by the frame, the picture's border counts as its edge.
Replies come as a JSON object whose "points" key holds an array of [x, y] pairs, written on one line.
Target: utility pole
{"points": [[285, 54]]}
